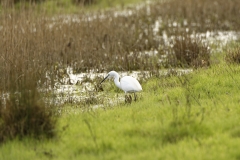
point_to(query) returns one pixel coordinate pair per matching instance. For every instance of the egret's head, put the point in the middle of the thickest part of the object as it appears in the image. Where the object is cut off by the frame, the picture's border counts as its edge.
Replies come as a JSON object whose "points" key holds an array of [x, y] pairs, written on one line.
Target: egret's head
{"points": [[111, 74]]}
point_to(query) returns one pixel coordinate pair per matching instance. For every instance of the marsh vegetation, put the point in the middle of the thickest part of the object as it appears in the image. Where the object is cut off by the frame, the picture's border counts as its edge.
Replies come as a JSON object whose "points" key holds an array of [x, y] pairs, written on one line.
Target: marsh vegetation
{"points": [[42, 53]]}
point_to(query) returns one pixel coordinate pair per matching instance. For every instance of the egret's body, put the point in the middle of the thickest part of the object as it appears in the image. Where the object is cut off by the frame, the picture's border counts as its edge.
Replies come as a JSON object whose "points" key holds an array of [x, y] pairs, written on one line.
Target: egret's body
{"points": [[127, 83]]}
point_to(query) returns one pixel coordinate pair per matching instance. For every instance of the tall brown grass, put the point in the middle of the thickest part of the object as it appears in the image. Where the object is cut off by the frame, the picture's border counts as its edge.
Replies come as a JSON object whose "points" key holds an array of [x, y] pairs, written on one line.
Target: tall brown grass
{"points": [[110, 42], [233, 55], [24, 113], [191, 52], [199, 16]]}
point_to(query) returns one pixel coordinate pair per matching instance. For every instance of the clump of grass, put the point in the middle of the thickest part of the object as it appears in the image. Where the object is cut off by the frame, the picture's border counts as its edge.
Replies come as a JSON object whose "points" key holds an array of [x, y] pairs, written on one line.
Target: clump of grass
{"points": [[182, 129], [24, 113], [191, 52], [236, 132], [233, 55], [185, 123]]}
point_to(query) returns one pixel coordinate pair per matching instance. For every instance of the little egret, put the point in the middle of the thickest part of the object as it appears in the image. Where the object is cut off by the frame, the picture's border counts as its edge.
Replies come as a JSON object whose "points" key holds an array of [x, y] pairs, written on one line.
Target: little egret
{"points": [[127, 83]]}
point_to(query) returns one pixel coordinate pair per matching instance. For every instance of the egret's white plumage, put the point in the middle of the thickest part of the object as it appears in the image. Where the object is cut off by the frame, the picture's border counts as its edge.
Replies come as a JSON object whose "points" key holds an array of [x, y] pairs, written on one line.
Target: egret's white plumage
{"points": [[127, 83]]}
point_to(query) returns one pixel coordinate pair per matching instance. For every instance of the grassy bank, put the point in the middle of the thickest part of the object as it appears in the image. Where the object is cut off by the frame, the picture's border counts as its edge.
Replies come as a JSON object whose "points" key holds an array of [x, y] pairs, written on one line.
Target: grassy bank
{"points": [[190, 117]]}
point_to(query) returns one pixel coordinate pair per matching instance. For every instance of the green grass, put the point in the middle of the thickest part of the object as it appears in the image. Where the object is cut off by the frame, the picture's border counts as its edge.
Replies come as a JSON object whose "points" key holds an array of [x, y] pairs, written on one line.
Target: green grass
{"points": [[67, 7], [103, 4], [190, 117]]}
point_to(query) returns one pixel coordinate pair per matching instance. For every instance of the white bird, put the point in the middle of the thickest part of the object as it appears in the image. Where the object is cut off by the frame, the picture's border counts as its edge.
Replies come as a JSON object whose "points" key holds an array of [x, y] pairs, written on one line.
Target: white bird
{"points": [[127, 83]]}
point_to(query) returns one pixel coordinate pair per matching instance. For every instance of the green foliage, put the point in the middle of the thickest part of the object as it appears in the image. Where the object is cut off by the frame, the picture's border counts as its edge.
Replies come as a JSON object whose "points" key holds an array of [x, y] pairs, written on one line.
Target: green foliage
{"points": [[66, 6], [178, 117], [183, 129]]}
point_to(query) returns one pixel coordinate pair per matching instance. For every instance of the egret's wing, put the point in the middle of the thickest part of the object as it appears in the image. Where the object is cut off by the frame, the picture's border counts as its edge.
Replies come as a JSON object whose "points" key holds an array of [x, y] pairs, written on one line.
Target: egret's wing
{"points": [[130, 84]]}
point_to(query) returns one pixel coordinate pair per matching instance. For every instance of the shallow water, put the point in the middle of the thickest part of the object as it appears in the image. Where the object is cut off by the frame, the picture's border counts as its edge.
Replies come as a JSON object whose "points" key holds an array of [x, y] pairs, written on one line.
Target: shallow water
{"points": [[76, 90]]}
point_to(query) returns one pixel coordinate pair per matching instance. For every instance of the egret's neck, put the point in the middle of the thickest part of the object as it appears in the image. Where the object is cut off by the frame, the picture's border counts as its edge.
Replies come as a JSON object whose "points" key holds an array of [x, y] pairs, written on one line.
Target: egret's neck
{"points": [[116, 81]]}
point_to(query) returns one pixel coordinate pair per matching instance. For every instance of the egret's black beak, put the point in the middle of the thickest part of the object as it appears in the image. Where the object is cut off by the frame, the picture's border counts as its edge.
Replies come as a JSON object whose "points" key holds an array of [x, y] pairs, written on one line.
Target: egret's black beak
{"points": [[104, 79]]}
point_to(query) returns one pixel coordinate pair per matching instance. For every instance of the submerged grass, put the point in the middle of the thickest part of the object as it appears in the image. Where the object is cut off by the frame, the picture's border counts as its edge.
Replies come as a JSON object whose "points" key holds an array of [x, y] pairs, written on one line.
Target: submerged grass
{"points": [[177, 118]]}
